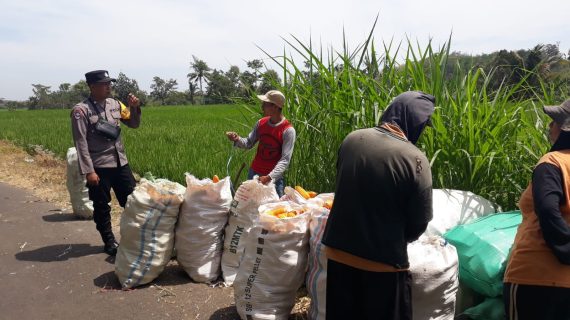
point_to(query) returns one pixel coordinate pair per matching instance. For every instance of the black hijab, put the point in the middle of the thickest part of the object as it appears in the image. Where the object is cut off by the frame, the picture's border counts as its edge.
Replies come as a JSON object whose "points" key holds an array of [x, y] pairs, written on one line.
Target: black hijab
{"points": [[563, 141], [411, 111]]}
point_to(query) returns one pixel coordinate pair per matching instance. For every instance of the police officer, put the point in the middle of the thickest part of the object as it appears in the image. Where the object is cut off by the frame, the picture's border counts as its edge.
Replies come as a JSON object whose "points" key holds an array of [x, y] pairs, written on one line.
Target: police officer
{"points": [[95, 124]]}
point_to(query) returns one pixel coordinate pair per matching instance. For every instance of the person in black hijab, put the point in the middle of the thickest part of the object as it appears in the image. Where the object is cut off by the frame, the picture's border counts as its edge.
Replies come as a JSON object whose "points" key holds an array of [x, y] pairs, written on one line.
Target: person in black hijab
{"points": [[537, 278], [383, 201]]}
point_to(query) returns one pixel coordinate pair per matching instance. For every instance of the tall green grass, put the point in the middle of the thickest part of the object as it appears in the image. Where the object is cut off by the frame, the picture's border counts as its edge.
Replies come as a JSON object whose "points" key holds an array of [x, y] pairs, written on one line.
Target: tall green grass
{"points": [[482, 141]]}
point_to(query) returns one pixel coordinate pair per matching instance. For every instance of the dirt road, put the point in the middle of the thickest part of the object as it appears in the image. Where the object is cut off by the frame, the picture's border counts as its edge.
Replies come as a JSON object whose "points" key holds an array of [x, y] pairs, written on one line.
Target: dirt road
{"points": [[52, 267]]}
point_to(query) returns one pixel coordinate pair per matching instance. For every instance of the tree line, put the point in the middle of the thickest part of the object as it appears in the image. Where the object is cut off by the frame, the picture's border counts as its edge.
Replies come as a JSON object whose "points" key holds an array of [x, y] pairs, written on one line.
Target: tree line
{"points": [[543, 67], [540, 65], [205, 86]]}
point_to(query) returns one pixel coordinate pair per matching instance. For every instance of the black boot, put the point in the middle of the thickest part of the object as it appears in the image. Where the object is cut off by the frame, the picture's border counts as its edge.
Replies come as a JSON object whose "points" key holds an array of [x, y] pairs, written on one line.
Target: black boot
{"points": [[111, 244], [111, 247], [102, 218]]}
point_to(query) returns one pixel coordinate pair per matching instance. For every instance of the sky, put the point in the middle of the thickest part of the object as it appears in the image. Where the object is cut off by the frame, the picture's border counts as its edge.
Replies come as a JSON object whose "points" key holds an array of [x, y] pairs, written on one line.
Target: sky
{"points": [[58, 41]]}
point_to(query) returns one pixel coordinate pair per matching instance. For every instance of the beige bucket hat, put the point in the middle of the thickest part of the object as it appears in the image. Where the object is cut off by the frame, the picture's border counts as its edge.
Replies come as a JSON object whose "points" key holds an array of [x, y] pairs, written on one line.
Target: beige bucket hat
{"points": [[273, 96]]}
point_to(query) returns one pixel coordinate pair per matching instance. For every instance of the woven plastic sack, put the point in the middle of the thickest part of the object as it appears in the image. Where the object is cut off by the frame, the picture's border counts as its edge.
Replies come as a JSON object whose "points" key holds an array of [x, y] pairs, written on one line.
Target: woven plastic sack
{"points": [[147, 231], [200, 227], [243, 212], [273, 266], [76, 185], [316, 280], [483, 248], [455, 207], [435, 278]]}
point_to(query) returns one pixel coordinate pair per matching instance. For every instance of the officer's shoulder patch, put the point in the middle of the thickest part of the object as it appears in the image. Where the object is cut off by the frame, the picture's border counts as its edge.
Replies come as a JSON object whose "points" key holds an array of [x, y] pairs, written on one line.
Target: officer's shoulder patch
{"points": [[77, 112]]}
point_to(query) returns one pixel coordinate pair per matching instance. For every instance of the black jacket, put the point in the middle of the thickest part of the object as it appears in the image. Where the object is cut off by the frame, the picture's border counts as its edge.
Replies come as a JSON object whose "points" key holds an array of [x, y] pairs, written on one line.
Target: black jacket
{"points": [[548, 195], [383, 195]]}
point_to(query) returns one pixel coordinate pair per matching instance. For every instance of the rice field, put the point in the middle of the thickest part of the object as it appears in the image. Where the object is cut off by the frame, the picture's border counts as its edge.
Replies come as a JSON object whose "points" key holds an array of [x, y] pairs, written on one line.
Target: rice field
{"points": [[169, 142]]}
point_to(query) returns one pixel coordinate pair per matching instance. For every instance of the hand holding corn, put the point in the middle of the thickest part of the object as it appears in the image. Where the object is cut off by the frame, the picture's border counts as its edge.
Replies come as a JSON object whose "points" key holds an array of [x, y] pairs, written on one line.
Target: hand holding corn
{"points": [[133, 101]]}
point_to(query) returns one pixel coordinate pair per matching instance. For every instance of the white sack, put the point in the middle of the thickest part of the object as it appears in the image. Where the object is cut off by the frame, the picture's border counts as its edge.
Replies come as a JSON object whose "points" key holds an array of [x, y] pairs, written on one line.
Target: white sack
{"points": [[316, 281], [147, 231], [200, 227], [76, 185], [273, 266], [243, 212], [455, 207], [434, 266]]}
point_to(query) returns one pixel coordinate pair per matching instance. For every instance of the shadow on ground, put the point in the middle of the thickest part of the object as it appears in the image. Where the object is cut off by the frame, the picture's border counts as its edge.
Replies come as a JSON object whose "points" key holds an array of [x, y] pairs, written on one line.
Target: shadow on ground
{"points": [[59, 252], [62, 217], [172, 275], [227, 313]]}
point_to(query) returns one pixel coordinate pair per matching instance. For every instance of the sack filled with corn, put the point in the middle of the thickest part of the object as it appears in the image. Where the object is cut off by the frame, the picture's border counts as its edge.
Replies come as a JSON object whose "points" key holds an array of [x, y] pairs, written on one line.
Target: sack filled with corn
{"points": [[456, 207], [274, 263], [298, 194], [301, 196], [200, 228], [282, 209], [147, 231], [76, 185], [434, 266], [243, 212], [316, 280]]}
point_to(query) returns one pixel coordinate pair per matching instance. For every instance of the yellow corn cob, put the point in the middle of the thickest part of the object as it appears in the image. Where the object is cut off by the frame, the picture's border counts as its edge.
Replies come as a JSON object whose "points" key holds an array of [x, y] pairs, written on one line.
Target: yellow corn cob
{"points": [[275, 212], [303, 192], [125, 112]]}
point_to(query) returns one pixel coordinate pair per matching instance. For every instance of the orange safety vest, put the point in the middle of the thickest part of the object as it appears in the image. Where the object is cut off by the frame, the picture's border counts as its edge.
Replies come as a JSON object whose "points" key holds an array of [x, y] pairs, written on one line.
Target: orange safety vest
{"points": [[270, 145], [532, 262]]}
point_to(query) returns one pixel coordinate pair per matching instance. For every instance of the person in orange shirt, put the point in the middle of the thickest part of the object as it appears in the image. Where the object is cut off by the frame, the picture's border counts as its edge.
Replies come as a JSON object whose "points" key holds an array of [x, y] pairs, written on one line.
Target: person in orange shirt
{"points": [[537, 278]]}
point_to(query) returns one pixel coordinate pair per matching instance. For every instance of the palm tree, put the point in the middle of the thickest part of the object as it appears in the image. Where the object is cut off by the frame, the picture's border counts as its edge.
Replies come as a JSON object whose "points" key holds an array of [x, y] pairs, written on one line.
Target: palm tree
{"points": [[201, 72], [191, 90]]}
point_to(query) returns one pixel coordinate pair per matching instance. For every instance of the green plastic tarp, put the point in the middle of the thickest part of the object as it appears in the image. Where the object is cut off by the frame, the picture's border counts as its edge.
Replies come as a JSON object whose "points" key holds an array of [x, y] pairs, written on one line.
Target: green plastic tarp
{"points": [[490, 309], [483, 248]]}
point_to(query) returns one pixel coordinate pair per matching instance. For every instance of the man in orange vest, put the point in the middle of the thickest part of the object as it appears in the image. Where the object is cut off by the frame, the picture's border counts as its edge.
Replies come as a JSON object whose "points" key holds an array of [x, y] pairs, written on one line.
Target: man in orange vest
{"points": [[276, 138]]}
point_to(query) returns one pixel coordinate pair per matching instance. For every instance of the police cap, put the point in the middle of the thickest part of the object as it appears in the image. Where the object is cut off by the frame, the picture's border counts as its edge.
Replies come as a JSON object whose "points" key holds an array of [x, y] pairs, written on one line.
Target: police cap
{"points": [[98, 76]]}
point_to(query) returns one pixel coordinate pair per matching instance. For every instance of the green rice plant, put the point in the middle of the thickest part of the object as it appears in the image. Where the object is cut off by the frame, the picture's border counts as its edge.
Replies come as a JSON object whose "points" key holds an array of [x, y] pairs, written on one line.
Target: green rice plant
{"points": [[174, 140], [47, 128], [169, 142]]}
